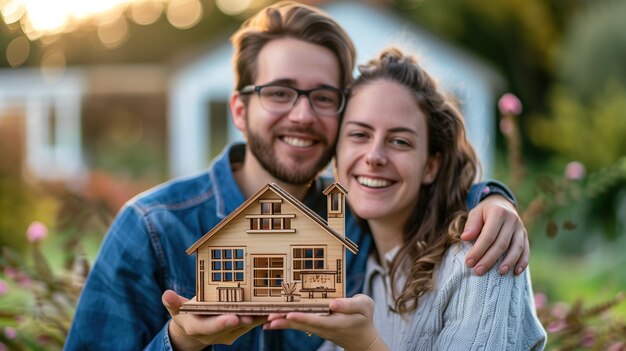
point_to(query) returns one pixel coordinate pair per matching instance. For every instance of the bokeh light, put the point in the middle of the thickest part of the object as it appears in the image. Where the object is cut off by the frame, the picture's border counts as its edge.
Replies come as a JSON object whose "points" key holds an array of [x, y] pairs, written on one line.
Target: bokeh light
{"points": [[146, 12], [114, 34], [233, 7], [18, 51], [12, 11], [41, 18], [184, 14]]}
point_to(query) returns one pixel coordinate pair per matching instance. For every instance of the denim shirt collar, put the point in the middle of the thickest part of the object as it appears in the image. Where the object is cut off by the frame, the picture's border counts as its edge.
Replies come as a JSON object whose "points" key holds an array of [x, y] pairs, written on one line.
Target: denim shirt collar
{"points": [[228, 196]]}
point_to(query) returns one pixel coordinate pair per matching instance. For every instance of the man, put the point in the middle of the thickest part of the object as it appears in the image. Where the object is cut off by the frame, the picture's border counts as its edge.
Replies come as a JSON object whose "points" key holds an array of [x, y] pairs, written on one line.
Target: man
{"points": [[284, 52]]}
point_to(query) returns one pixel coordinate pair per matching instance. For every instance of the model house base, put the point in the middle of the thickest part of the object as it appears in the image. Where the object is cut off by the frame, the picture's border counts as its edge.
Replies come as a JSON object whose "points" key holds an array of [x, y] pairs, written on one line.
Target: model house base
{"points": [[254, 308]]}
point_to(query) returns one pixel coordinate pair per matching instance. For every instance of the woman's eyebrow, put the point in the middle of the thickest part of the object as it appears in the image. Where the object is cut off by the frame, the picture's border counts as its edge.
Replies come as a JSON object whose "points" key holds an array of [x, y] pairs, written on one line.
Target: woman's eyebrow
{"points": [[392, 130], [360, 124]]}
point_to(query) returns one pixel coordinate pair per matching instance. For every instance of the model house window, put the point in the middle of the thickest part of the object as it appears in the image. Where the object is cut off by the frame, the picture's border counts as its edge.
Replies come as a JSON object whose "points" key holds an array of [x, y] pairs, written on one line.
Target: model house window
{"points": [[201, 285], [334, 202], [269, 272], [270, 207], [308, 258], [339, 272], [227, 265], [271, 218]]}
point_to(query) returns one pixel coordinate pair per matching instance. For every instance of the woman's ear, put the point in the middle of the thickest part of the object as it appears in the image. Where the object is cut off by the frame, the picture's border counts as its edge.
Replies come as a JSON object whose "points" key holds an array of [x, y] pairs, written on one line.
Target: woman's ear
{"points": [[432, 168], [238, 111]]}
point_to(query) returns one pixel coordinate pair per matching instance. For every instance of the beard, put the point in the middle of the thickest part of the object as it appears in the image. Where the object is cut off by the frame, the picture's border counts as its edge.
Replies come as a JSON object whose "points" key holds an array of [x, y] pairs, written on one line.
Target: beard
{"points": [[264, 152]]}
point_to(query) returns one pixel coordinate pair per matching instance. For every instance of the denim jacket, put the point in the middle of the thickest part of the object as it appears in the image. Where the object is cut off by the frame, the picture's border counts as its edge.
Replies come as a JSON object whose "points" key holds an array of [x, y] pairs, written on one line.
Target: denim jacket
{"points": [[143, 254]]}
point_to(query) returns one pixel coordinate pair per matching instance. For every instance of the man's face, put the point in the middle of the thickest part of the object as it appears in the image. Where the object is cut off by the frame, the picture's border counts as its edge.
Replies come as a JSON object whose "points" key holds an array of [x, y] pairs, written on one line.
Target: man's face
{"points": [[293, 146]]}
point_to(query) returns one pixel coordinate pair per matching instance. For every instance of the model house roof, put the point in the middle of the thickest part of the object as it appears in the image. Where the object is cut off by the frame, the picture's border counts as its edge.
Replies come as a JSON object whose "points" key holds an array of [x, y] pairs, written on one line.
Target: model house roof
{"points": [[310, 214]]}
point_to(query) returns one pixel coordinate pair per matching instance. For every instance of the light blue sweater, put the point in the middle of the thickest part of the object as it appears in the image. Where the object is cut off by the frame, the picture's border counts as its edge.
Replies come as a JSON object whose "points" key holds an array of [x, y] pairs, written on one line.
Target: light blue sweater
{"points": [[463, 312]]}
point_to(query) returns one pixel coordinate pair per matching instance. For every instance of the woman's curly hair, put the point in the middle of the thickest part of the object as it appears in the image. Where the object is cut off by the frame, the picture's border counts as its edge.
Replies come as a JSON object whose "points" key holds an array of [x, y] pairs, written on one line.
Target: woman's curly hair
{"points": [[440, 212]]}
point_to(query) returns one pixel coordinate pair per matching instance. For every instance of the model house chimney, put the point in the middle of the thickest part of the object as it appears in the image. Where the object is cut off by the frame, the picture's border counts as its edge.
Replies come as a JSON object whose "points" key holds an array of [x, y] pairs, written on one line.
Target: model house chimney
{"points": [[335, 207]]}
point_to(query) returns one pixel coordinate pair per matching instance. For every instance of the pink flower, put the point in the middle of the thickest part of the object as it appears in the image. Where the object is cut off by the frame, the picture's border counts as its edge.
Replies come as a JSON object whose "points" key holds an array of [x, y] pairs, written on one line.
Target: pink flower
{"points": [[540, 300], [618, 346], [10, 333], [588, 339], [25, 282], [559, 310], [509, 104], [556, 326], [11, 272], [575, 171], [36, 231], [3, 347], [4, 287]]}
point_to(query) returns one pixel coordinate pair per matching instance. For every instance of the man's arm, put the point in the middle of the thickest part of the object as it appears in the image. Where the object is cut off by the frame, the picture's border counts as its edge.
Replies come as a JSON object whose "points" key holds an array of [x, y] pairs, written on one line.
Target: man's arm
{"points": [[496, 226], [121, 305]]}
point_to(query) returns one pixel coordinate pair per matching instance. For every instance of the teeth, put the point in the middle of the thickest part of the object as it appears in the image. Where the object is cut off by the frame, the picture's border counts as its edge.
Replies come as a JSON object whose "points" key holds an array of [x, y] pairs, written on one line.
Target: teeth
{"points": [[373, 183], [297, 142]]}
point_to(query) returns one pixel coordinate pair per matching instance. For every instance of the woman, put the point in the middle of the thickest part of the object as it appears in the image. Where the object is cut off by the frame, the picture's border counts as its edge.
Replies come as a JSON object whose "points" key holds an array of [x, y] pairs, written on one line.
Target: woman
{"points": [[406, 162]]}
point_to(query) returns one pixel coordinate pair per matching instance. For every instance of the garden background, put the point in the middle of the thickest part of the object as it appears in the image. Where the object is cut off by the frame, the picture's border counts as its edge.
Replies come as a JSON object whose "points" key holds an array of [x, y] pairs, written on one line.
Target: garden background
{"points": [[561, 145]]}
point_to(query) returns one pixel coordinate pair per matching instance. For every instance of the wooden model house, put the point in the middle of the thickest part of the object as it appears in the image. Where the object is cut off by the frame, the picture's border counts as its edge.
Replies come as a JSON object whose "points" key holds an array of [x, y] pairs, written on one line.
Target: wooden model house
{"points": [[272, 254]]}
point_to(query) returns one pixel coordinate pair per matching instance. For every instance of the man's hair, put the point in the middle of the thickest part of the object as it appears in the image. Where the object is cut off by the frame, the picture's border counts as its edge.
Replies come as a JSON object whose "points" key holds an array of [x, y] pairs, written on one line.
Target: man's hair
{"points": [[440, 211], [288, 19]]}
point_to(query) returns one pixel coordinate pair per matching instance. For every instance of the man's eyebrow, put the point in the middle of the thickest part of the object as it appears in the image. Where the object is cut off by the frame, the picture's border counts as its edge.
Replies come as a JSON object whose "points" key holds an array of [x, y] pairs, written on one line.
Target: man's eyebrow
{"points": [[293, 83], [392, 130], [285, 81]]}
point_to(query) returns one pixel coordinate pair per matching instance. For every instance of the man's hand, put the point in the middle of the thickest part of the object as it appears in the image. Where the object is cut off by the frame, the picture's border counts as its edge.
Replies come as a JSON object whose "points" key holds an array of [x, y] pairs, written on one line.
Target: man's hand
{"points": [[499, 229], [194, 332], [350, 324]]}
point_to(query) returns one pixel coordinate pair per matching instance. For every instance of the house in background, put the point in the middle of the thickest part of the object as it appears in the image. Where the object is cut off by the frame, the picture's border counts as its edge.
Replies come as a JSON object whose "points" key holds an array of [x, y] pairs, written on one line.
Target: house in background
{"points": [[272, 254], [96, 115], [199, 91], [49, 118]]}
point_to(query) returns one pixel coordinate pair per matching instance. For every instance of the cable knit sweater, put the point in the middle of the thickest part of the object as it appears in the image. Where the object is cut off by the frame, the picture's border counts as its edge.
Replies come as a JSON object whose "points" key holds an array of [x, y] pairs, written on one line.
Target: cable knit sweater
{"points": [[463, 312]]}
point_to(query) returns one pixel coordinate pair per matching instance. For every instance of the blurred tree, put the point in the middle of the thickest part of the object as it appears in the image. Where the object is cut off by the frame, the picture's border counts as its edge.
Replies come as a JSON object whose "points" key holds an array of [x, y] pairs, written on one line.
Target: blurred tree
{"points": [[585, 109], [520, 37], [592, 133], [594, 49]]}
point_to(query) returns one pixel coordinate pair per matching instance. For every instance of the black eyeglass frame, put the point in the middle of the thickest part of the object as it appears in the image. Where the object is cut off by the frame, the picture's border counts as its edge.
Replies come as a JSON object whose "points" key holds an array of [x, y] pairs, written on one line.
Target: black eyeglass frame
{"points": [[249, 89]]}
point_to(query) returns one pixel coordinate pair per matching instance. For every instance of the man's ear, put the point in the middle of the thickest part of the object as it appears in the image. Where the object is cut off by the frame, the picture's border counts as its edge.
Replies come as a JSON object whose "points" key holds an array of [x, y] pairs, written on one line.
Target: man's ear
{"points": [[432, 168], [238, 111]]}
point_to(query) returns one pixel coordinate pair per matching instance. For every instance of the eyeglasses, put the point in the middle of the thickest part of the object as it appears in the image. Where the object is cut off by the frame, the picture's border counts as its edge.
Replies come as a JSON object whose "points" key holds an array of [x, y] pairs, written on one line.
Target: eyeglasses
{"points": [[278, 98]]}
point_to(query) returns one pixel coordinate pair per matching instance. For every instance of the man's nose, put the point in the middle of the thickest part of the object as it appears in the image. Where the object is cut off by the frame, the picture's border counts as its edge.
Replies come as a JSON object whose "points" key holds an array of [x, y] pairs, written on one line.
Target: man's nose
{"points": [[302, 112]]}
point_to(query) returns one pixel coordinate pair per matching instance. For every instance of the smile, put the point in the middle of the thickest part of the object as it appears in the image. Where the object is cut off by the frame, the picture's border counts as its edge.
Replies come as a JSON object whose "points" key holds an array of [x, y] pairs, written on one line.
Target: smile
{"points": [[297, 142], [373, 182]]}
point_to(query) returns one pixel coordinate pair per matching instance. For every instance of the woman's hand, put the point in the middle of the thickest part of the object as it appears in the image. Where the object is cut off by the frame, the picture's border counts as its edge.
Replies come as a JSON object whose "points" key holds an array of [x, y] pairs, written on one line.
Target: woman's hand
{"points": [[349, 325]]}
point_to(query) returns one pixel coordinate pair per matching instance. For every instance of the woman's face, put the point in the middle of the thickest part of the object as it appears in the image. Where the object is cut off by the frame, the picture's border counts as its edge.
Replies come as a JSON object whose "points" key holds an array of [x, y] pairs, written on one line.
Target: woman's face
{"points": [[382, 154]]}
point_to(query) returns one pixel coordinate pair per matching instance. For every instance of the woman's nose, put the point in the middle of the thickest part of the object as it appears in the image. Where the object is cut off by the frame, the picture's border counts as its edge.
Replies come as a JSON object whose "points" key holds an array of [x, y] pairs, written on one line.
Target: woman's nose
{"points": [[376, 157]]}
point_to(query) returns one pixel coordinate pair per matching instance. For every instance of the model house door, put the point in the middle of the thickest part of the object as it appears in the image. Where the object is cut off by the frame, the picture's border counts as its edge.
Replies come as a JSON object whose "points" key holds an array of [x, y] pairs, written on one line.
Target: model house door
{"points": [[268, 272]]}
